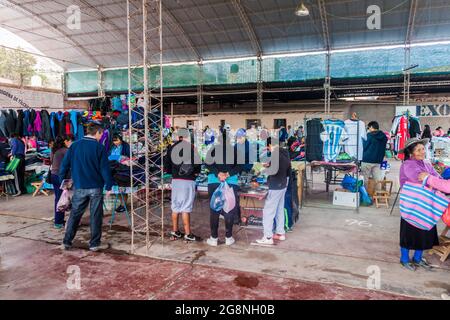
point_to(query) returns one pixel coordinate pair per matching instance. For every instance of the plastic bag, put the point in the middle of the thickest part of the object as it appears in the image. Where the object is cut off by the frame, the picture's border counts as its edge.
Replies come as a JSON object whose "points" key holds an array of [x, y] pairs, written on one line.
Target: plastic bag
{"points": [[349, 183], [365, 198], [65, 202], [230, 199], [217, 199]]}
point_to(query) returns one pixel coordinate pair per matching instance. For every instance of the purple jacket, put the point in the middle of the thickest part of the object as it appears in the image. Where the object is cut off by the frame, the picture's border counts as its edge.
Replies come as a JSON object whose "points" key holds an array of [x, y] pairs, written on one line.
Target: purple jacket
{"points": [[410, 170], [37, 127]]}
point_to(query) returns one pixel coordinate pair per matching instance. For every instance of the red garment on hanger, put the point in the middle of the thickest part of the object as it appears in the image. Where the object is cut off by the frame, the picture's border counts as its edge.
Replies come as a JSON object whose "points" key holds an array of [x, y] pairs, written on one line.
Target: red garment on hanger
{"points": [[402, 135], [68, 123]]}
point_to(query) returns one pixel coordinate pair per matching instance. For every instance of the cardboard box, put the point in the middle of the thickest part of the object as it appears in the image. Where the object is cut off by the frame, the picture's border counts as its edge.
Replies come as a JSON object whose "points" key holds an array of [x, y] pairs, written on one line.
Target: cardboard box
{"points": [[346, 199]]}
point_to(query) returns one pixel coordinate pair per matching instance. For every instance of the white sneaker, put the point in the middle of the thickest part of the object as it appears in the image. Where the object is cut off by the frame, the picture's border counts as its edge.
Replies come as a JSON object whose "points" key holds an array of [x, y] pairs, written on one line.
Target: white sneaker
{"points": [[265, 240], [229, 241], [445, 296], [212, 241]]}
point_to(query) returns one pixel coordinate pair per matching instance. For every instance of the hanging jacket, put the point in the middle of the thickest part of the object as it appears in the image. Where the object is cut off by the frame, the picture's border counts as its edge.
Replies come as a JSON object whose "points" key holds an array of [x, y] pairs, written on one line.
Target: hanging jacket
{"points": [[314, 145], [46, 129], [61, 124], [10, 122], [74, 121], [54, 124], [30, 128], [37, 125], [26, 122], [3, 131], [67, 124], [104, 140], [19, 122]]}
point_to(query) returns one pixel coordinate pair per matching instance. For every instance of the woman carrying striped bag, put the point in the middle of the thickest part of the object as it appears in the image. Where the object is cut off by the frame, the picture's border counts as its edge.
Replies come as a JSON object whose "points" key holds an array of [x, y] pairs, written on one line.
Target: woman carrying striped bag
{"points": [[420, 207]]}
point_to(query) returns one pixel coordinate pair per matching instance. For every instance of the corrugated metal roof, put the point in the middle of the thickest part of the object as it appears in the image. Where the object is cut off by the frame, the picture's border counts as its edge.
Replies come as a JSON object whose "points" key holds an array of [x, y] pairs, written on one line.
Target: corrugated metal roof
{"points": [[215, 29]]}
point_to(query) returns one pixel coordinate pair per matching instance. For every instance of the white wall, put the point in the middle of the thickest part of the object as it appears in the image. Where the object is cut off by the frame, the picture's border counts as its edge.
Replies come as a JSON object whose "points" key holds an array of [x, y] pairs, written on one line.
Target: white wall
{"points": [[15, 97]]}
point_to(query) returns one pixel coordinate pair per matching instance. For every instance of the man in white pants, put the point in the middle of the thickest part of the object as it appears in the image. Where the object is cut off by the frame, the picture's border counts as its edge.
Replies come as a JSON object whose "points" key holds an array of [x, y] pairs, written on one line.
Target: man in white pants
{"points": [[274, 205]]}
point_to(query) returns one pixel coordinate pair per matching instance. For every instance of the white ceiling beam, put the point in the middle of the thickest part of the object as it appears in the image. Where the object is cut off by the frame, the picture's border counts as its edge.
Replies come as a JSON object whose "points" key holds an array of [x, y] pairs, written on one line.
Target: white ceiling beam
{"points": [[248, 27]]}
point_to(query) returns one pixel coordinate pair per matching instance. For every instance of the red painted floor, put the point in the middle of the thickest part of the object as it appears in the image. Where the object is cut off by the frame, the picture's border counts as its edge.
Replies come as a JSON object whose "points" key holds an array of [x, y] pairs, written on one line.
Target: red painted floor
{"points": [[38, 270]]}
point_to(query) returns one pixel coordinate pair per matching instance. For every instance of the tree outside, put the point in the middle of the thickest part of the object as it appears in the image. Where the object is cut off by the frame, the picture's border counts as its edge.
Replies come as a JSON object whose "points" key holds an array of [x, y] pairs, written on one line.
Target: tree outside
{"points": [[17, 66]]}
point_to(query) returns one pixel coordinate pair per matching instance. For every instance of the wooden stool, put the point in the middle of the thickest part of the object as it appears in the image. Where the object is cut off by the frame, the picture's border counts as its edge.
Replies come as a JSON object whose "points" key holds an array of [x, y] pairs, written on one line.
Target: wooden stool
{"points": [[381, 198], [443, 250], [38, 188]]}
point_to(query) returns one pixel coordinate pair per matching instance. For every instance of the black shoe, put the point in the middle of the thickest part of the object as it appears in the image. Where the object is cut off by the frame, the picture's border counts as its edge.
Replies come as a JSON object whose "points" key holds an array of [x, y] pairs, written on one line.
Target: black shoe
{"points": [[422, 263], [120, 209], [408, 265], [176, 235], [190, 237]]}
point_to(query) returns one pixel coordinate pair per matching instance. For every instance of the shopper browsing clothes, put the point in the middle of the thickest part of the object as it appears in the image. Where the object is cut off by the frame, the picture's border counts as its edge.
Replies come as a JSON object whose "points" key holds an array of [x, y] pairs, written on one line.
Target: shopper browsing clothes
{"points": [[59, 150], [221, 169], [184, 163], [274, 206], [373, 154], [119, 149], [88, 161], [18, 152], [414, 169]]}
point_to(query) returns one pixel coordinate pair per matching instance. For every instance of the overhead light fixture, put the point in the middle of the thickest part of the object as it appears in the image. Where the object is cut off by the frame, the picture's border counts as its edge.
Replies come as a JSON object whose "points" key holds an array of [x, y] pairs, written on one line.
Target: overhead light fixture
{"points": [[302, 10]]}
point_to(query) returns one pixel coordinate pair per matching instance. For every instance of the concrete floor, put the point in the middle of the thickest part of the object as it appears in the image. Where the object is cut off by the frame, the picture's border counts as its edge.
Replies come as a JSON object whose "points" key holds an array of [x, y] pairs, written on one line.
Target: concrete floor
{"points": [[331, 254]]}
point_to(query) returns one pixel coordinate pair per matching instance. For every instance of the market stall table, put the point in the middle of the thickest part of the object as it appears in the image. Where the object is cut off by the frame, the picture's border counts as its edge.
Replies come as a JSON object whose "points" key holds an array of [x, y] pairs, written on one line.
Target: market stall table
{"points": [[331, 171]]}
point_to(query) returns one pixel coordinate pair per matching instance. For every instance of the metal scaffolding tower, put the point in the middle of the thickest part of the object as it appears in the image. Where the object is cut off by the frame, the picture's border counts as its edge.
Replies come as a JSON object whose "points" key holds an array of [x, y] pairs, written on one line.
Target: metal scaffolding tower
{"points": [[200, 95], [144, 22], [259, 89]]}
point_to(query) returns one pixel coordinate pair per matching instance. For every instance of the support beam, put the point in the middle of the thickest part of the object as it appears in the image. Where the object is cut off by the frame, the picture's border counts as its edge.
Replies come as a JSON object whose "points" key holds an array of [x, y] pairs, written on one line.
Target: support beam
{"points": [[327, 46], [248, 27], [98, 14], [100, 79], [259, 89], [407, 59], [17, 6], [411, 21], [200, 95], [180, 31]]}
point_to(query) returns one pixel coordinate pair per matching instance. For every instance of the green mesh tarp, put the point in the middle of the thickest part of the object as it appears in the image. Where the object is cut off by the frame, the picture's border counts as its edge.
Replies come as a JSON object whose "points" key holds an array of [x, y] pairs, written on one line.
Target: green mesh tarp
{"points": [[370, 63], [344, 65], [81, 82], [300, 68]]}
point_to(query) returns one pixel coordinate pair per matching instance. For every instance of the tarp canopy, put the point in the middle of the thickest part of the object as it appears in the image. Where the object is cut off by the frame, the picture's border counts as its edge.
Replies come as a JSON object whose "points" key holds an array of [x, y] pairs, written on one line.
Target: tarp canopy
{"points": [[216, 29]]}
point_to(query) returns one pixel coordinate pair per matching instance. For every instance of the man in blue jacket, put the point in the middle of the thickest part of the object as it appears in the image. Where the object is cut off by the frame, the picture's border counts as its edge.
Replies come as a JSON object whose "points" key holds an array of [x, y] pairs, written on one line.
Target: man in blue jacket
{"points": [[87, 161], [374, 152]]}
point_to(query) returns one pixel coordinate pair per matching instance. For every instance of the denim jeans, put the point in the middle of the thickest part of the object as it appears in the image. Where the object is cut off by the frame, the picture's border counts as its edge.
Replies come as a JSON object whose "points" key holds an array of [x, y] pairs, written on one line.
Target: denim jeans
{"points": [[56, 181], [80, 200]]}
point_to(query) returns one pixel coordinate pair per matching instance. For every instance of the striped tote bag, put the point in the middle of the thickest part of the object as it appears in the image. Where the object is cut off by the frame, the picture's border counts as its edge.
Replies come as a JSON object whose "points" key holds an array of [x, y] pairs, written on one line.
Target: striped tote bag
{"points": [[422, 206]]}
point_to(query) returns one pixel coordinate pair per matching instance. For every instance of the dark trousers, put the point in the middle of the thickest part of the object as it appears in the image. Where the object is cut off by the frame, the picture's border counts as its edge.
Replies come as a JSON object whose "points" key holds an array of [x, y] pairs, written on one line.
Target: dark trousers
{"points": [[20, 171], [229, 217], [56, 181], [80, 200]]}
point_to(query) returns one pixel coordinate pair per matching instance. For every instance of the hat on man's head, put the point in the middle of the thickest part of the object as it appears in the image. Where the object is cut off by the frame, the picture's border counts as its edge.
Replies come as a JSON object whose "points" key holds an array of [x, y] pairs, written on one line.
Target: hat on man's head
{"points": [[241, 133], [413, 141]]}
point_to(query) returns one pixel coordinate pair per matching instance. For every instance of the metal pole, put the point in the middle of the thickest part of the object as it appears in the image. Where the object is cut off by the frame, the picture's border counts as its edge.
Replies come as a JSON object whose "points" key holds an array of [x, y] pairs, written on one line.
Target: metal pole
{"points": [[130, 130], [146, 109], [259, 90], [200, 94], [161, 114], [100, 88]]}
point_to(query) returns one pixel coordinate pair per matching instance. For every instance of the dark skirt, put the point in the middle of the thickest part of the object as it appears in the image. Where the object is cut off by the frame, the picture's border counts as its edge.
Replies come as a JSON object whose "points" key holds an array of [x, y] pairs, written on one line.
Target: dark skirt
{"points": [[413, 238]]}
